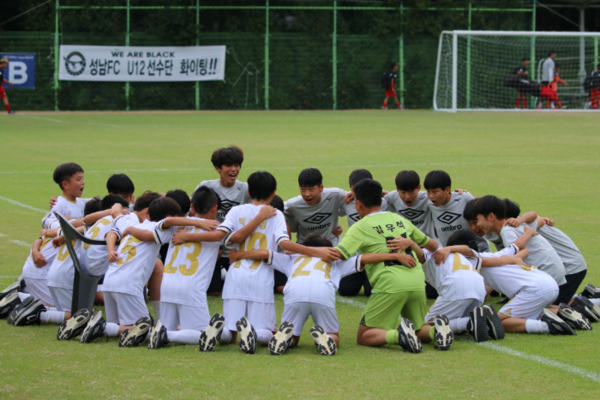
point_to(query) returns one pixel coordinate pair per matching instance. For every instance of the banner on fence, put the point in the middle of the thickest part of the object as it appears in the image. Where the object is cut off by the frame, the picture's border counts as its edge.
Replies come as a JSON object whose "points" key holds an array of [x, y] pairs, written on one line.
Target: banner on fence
{"points": [[20, 71], [141, 64]]}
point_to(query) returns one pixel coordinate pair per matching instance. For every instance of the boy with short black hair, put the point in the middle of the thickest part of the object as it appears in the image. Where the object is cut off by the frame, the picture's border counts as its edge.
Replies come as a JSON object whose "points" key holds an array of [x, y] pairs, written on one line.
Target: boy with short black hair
{"points": [[121, 185], [316, 210], [471, 218], [397, 290], [69, 177], [227, 161], [447, 207], [521, 70]]}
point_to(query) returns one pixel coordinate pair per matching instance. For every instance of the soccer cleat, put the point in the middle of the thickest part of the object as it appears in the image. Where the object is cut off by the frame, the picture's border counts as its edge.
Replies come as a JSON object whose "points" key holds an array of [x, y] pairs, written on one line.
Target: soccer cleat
{"points": [[589, 304], [407, 338], [12, 112], [477, 325], [279, 342], [557, 326], [94, 328], [584, 306], [30, 314], [135, 334], [74, 326], [495, 327], [503, 301], [12, 288], [247, 336], [210, 336], [384, 108], [574, 318], [444, 337], [325, 343], [591, 292], [8, 303], [13, 314], [158, 337]]}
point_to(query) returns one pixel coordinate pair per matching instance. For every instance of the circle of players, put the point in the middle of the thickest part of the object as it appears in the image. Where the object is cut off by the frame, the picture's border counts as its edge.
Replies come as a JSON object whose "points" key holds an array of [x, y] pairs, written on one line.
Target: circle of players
{"points": [[232, 239]]}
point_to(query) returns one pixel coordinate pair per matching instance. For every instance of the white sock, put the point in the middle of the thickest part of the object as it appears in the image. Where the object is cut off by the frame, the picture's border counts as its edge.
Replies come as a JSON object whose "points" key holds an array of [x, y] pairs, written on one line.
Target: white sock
{"points": [[23, 296], [263, 336], [536, 326], [156, 306], [459, 325], [595, 301], [51, 309], [187, 336], [111, 329], [225, 336], [53, 317]]}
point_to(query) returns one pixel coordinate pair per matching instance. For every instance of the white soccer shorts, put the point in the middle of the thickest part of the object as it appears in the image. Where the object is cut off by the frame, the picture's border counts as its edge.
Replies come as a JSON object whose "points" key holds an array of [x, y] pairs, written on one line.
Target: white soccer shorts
{"points": [[297, 314], [451, 308], [62, 298], [124, 309], [39, 289], [529, 304], [174, 316], [260, 315]]}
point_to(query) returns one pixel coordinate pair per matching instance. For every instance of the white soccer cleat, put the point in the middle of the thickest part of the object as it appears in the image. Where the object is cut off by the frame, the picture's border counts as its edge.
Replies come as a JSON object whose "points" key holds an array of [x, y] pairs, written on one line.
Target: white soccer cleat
{"points": [[281, 340], [247, 336], [325, 343], [556, 325]]}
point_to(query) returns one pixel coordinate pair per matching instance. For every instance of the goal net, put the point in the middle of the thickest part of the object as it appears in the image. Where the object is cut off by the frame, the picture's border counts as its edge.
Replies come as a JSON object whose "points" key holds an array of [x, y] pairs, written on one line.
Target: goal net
{"points": [[475, 70]]}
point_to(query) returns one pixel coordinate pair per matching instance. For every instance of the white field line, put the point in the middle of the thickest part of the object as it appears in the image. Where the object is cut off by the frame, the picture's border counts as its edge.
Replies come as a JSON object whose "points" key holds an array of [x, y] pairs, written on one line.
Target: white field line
{"points": [[70, 122], [16, 203], [594, 376], [8, 277], [20, 243], [253, 168]]}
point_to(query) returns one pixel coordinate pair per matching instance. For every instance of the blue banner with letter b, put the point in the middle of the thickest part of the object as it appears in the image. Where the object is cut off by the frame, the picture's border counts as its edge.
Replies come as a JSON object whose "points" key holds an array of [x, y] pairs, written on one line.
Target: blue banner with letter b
{"points": [[20, 70]]}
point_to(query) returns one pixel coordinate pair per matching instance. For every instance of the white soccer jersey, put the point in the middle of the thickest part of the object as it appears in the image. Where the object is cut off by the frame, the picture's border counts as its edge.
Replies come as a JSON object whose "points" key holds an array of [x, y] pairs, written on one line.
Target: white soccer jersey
{"points": [[96, 255], [448, 218], [62, 270], [349, 210], [565, 248], [251, 280], [188, 271], [48, 251], [511, 279], [319, 218], [135, 262], [230, 196], [73, 210], [311, 279], [419, 213], [122, 222], [541, 253], [456, 278]]}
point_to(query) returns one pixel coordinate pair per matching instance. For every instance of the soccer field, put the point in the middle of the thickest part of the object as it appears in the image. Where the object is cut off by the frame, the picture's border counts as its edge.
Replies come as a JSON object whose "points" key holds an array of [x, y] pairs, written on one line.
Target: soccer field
{"points": [[547, 162]]}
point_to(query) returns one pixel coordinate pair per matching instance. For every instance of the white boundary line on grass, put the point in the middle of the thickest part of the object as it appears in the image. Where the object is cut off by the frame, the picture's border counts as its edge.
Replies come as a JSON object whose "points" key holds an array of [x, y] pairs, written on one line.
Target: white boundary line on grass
{"points": [[8, 277], [20, 243], [594, 376], [16, 203], [70, 122]]}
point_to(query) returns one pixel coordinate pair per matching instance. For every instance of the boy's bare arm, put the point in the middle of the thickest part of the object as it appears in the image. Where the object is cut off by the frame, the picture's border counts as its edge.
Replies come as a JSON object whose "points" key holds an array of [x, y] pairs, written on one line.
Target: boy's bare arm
{"points": [[50, 232], [526, 218], [111, 240], [326, 254], [374, 258], [142, 234], [38, 259], [235, 255], [521, 242], [442, 254], [206, 224], [181, 237], [265, 212]]}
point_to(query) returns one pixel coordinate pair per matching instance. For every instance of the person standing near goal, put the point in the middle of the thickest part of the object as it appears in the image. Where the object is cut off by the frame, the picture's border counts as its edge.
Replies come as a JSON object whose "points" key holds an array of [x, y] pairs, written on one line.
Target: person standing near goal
{"points": [[390, 87], [521, 70], [547, 78], [4, 64]]}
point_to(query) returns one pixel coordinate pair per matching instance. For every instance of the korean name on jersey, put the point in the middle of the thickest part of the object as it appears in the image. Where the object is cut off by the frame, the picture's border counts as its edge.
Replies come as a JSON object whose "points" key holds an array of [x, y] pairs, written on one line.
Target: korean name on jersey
{"points": [[418, 213]]}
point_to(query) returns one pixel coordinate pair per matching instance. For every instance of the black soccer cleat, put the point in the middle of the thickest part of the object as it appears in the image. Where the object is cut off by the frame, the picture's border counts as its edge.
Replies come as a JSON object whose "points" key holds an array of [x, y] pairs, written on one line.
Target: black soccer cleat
{"points": [[8, 303], [12, 112], [495, 327], [503, 301], [407, 338], [591, 292], [30, 314], [13, 314], [247, 336], [94, 328], [592, 310], [556, 325], [477, 325], [158, 336], [325, 343], [573, 318], [210, 336], [73, 327], [12, 288], [135, 334], [279, 342], [443, 335]]}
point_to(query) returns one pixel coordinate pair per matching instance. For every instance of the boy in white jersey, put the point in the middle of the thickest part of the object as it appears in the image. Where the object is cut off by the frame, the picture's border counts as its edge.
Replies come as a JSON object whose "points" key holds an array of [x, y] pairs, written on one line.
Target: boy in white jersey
{"points": [[187, 274], [532, 291], [248, 299], [447, 207], [491, 217], [227, 161], [316, 210], [69, 177]]}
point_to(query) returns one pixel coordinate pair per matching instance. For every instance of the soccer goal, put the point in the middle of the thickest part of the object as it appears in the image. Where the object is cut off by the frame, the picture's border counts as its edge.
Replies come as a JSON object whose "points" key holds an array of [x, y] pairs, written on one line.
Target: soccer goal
{"points": [[477, 70]]}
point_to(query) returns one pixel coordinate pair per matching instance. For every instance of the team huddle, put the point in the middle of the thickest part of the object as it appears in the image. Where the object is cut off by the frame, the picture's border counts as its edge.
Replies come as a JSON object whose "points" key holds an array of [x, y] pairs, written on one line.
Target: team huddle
{"points": [[233, 239]]}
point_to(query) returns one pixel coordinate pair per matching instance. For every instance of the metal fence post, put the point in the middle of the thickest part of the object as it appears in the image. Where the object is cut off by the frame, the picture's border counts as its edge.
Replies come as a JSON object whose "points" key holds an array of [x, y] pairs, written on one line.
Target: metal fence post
{"points": [[469, 63], [334, 55], [532, 53], [401, 56], [267, 55], [197, 44], [56, 56], [127, 44], [454, 70]]}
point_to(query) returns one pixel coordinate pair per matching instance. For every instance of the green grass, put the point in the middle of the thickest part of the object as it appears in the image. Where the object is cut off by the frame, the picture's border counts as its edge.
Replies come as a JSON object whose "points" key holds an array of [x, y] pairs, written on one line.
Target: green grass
{"points": [[546, 162]]}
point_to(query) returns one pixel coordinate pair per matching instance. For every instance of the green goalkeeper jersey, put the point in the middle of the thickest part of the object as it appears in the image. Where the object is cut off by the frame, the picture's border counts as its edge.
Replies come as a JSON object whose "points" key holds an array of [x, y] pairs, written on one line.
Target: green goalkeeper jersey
{"points": [[370, 235]]}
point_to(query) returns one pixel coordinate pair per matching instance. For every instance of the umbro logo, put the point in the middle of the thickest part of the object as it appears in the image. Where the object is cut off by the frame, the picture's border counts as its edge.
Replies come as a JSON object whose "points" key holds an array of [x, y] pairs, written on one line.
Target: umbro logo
{"points": [[226, 205], [448, 217], [354, 217], [317, 218], [411, 214]]}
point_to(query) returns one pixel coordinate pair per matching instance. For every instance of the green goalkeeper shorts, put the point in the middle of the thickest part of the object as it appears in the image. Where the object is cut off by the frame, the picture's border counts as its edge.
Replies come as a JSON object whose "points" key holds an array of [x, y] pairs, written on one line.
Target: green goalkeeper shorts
{"points": [[383, 310]]}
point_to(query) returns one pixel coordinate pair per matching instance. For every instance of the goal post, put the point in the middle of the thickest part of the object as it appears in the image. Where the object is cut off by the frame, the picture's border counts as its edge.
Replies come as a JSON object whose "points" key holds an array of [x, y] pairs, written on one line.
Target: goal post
{"points": [[490, 58]]}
